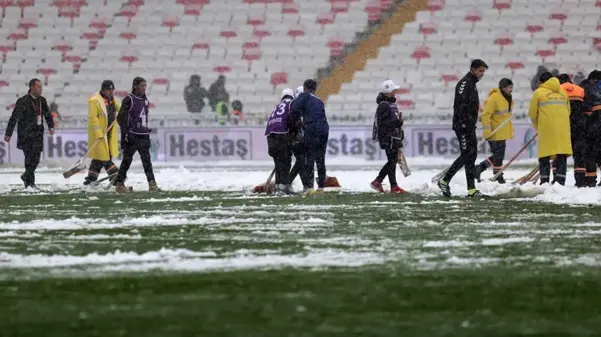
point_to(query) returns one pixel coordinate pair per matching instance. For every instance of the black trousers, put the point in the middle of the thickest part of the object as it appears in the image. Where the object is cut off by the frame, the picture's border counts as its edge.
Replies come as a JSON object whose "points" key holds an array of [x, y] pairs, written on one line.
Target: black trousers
{"points": [[497, 147], [468, 146], [579, 149], [560, 168], [389, 169], [316, 143], [278, 146], [592, 160], [97, 165], [32, 160], [140, 144], [299, 156]]}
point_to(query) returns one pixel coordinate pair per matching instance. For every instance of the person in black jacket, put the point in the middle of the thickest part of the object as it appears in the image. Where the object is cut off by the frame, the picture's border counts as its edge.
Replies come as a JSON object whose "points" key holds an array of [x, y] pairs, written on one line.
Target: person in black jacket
{"points": [[577, 128], [465, 117], [28, 115], [387, 131], [592, 108]]}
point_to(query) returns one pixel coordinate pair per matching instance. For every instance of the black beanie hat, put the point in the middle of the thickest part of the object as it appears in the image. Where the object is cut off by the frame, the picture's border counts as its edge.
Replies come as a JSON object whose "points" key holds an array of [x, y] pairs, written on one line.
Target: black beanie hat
{"points": [[504, 82], [107, 85]]}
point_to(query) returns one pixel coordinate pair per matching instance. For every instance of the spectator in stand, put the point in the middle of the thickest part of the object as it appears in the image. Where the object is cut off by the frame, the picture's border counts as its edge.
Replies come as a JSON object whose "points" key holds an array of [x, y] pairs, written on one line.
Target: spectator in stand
{"points": [[56, 117], [535, 81], [222, 111], [195, 94], [237, 114], [217, 93], [578, 78]]}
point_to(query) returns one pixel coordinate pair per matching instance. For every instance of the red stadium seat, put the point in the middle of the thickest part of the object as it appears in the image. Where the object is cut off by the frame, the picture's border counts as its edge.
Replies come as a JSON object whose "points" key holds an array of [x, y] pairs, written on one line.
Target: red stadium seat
{"points": [[62, 46], [229, 33], [251, 54], [558, 14], [289, 8], [279, 78], [501, 4], [261, 32], [201, 45], [296, 31], [19, 34], [535, 28], [406, 104], [255, 21], [558, 38], [98, 23], [251, 44], [4, 4], [128, 35], [473, 16], [428, 28], [504, 39], [27, 24], [171, 22], [193, 9], [339, 6], [421, 53], [222, 69], [325, 18], [435, 5]]}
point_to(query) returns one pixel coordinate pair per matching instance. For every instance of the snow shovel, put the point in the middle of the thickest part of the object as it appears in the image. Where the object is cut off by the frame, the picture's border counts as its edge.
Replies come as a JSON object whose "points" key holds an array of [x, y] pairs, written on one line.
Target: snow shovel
{"points": [[80, 165], [268, 186]]}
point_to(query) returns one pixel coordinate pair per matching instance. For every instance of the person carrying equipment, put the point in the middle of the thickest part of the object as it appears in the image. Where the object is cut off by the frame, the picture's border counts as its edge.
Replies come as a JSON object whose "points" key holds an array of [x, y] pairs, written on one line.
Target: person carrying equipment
{"points": [[279, 143], [387, 131], [497, 109], [550, 114]]}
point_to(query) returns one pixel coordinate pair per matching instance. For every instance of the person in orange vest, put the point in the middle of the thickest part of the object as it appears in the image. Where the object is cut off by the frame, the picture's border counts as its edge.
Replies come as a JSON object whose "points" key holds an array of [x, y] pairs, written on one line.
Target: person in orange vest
{"points": [[54, 113], [237, 114], [577, 127]]}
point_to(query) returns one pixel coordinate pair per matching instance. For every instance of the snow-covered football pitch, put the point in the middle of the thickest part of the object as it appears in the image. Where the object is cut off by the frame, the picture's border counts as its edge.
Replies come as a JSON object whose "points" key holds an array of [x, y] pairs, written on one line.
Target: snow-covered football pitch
{"points": [[206, 257]]}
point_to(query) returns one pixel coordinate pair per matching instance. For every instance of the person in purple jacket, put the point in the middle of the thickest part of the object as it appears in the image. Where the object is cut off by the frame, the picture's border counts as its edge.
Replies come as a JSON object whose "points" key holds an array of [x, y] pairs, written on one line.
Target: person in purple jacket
{"points": [[279, 141], [135, 134]]}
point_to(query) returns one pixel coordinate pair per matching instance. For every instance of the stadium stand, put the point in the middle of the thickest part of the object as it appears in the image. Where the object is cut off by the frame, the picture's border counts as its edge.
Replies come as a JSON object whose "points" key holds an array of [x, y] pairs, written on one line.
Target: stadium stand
{"points": [[261, 46], [513, 37]]}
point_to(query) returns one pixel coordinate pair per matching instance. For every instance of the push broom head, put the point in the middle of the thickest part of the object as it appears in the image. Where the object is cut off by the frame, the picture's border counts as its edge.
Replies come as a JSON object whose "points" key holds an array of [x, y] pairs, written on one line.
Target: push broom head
{"points": [[74, 170]]}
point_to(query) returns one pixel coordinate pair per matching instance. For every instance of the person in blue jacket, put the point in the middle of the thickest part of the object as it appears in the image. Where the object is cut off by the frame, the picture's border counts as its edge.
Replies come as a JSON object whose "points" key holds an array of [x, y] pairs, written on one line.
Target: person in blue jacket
{"points": [[310, 108]]}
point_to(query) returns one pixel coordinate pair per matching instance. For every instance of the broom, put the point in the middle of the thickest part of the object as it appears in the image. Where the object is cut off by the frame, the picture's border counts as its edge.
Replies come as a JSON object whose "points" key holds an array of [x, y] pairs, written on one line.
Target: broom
{"points": [[80, 165], [528, 177], [513, 158], [262, 188], [439, 176]]}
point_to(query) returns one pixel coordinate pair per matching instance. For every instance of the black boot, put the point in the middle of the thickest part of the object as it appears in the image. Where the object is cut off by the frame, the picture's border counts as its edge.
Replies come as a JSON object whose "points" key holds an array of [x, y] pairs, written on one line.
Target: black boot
{"points": [[89, 179], [500, 179]]}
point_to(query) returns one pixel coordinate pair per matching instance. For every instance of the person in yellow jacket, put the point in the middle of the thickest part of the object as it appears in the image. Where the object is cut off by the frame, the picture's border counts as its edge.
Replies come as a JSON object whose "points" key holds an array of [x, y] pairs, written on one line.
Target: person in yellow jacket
{"points": [[497, 109], [550, 114], [104, 143]]}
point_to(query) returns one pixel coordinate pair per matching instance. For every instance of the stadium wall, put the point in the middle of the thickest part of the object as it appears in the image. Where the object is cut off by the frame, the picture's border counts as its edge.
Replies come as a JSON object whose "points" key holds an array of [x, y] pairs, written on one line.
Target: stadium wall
{"points": [[248, 144]]}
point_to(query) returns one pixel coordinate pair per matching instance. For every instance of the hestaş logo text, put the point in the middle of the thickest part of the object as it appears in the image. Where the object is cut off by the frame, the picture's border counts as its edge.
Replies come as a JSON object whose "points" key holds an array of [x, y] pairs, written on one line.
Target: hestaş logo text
{"points": [[59, 147], [427, 144], [345, 145], [211, 147]]}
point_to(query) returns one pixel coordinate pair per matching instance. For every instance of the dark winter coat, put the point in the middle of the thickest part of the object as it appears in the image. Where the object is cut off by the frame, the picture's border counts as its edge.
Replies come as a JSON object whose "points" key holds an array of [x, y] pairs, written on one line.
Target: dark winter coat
{"points": [[387, 123], [194, 96], [30, 135], [466, 104], [592, 106]]}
